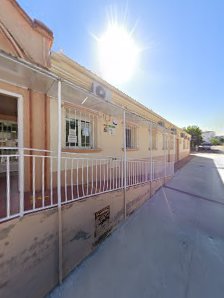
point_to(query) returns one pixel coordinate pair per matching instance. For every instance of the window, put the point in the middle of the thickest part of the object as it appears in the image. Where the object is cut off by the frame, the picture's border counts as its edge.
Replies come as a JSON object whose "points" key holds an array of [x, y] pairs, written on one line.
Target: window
{"points": [[80, 128], [154, 139], [171, 142], [8, 139], [164, 141], [131, 137]]}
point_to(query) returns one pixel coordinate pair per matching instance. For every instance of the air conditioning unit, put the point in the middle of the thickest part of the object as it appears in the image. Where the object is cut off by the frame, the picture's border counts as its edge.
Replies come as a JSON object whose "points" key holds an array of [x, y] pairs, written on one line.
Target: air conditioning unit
{"points": [[101, 91]]}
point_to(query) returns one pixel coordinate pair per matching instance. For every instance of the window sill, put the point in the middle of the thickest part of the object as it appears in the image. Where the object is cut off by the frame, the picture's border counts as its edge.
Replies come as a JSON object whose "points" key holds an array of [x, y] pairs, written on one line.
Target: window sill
{"points": [[77, 150], [131, 149]]}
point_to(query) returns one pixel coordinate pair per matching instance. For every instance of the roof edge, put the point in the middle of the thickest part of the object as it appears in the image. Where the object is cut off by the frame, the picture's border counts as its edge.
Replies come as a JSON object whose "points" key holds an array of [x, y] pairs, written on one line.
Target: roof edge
{"points": [[93, 75], [35, 24]]}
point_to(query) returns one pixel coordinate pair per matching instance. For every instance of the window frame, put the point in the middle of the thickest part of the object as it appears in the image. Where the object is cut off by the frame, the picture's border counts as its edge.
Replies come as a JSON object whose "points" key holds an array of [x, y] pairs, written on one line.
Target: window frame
{"points": [[154, 138], [83, 120], [132, 140]]}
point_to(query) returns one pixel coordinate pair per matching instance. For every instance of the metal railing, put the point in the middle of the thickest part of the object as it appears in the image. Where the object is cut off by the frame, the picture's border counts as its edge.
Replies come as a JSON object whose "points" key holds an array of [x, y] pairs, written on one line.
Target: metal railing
{"points": [[80, 178]]}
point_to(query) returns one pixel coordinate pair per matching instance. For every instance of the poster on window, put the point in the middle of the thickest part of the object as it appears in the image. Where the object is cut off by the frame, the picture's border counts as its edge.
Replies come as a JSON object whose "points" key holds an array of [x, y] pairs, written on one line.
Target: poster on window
{"points": [[72, 132], [72, 139], [85, 131]]}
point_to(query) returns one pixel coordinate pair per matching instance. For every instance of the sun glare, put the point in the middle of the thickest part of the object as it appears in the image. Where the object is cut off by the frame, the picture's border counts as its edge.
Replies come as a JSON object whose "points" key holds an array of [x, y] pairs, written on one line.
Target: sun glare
{"points": [[118, 54]]}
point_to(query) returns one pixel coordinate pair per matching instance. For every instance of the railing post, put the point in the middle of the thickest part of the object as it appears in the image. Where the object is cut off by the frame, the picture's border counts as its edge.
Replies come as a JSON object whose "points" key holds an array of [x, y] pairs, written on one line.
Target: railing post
{"points": [[8, 187], [125, 162], [59, 185], [21, 181], [21, 155]]}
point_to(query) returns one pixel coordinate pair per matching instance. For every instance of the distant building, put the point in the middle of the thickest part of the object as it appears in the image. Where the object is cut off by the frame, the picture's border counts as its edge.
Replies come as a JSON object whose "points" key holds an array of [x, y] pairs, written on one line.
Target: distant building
{"points": [[208, 135]]}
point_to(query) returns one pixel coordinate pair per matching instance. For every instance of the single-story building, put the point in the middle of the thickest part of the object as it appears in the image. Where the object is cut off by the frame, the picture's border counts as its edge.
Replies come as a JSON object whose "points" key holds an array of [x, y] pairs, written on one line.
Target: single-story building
{"points": [[77, 156]]}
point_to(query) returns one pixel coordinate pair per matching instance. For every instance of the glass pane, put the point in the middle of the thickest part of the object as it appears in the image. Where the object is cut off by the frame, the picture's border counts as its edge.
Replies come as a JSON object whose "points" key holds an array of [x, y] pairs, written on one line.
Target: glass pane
{"points": [[128, 137], [85, 133]]}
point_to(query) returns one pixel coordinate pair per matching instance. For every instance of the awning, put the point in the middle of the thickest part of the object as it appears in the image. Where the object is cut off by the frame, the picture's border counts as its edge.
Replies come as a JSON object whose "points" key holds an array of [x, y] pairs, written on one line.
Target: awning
{"points": [[24, 74]]}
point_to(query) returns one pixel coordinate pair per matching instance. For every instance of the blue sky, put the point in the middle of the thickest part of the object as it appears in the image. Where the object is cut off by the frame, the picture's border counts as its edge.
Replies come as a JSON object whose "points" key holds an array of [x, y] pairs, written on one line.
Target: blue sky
{"points": [[180, 74]]}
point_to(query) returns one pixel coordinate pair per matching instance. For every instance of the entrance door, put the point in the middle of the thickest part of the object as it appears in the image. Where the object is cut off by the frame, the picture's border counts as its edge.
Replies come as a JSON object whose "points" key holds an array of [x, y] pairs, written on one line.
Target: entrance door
{"points": [[10, 140]]}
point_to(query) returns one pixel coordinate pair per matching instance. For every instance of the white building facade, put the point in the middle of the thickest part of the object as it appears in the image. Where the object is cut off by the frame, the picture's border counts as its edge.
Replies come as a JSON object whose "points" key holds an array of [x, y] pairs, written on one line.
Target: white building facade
{"points": [[208, 135]]}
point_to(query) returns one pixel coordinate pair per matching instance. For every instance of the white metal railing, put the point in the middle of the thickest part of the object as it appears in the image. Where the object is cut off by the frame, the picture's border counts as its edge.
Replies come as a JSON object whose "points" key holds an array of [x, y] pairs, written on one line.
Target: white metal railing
{"points": [[80, 178]]}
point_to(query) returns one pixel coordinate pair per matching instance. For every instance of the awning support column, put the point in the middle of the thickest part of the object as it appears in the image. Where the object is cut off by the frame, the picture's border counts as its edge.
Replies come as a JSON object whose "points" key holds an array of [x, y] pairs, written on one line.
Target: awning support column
{"points": [[125, 162], [59, 185], [174, 151], [150, 137], [165, 145], [21, 155]]}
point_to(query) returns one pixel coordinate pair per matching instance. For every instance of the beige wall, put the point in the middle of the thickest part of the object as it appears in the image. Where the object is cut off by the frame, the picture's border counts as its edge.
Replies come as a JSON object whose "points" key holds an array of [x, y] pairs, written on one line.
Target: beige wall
{"points": [[21, 36], [40, 132], [35, 123], [111, 145]]}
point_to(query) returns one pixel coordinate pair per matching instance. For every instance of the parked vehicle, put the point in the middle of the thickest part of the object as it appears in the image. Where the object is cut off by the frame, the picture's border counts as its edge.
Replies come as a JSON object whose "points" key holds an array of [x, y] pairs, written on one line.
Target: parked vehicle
{"points": [[205, 147]]}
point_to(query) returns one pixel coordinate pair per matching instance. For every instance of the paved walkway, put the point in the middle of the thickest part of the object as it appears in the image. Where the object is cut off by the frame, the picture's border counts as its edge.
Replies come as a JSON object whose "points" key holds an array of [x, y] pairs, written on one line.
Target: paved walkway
{"points": [[173, 247]]}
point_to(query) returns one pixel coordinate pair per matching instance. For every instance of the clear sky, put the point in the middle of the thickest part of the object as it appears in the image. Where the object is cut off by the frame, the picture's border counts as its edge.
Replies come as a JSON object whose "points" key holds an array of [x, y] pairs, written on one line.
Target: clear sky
{"points": [[180, 73]]}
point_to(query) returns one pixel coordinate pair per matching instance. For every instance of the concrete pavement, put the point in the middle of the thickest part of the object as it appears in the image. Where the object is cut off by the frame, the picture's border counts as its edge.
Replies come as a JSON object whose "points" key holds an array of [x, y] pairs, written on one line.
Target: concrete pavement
{"points": [[172, 247]]}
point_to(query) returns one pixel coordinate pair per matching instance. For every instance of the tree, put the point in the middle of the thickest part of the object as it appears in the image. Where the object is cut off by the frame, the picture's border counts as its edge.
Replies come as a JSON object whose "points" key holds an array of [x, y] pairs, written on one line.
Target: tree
{"points": [[215, 141], [196, 135]]}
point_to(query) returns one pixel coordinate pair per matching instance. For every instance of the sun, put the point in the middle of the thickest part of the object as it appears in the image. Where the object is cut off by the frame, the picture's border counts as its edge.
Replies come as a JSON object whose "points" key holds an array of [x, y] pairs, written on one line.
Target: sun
{"points": [[118, 54]]}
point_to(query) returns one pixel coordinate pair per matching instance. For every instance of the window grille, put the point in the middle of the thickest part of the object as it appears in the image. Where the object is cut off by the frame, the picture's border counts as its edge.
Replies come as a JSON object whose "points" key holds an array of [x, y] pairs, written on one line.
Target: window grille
{"points": [[164, 141], [131, 137], [154, 139], [171, 142], [80, 129]]}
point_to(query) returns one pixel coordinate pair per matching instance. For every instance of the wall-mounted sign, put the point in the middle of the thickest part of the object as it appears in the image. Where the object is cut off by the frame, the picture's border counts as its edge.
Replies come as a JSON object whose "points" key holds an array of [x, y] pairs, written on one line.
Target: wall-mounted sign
{"points": [[110, 129], [102, 222]]}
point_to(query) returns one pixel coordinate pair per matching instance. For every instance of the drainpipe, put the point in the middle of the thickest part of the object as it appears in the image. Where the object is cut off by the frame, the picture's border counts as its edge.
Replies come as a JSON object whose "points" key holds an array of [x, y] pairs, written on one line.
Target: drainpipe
{"points": [[59, 185], [125, 163]]}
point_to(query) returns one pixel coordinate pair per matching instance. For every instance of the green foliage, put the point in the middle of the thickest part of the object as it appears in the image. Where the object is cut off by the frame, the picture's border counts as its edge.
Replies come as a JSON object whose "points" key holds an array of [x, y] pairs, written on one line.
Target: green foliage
{"points": [[215, 141], [196, 135], [221, 140]]}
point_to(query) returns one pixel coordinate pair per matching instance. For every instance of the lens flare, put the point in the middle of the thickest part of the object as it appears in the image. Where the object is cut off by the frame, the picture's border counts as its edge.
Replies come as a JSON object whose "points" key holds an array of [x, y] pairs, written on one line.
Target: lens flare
{"points": [[118, 54]]}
